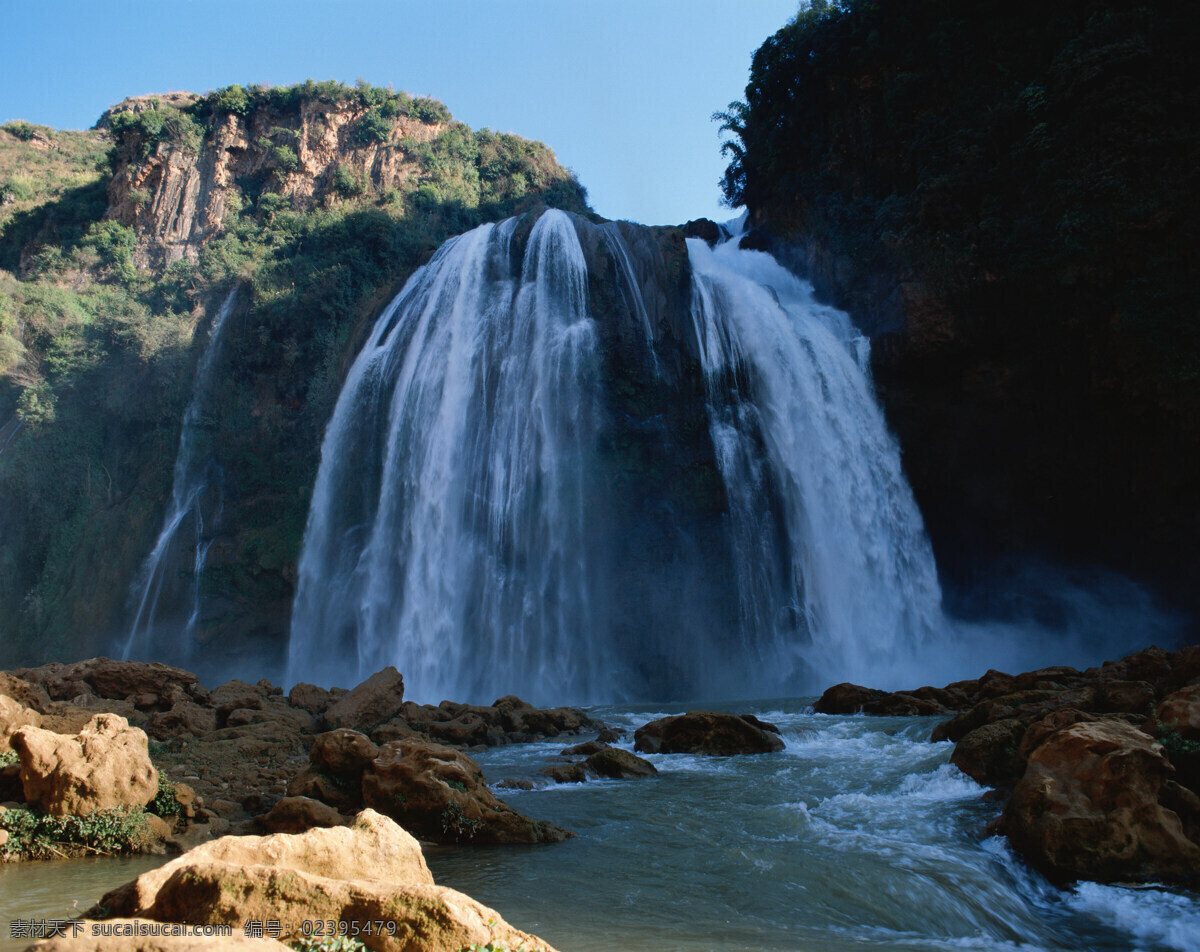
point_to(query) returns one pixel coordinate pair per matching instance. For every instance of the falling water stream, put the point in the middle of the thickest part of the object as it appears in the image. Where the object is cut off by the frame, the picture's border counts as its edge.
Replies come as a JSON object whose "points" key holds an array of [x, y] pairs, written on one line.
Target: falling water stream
{"points": [[462, 519], [166, 594]]}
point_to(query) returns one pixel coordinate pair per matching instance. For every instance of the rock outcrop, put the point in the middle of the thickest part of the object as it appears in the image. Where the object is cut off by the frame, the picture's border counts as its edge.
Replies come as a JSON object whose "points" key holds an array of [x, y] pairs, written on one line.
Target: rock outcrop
{"points": [[1090, 806], [361, 875], [106, 765], [177, 197], [706, 732], [439, 793]]}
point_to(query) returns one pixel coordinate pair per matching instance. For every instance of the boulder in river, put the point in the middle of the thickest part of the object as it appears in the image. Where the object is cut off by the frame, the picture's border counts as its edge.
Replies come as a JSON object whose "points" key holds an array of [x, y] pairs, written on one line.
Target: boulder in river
{"points": [[439, 793], [1090, 806], [705, 732]]}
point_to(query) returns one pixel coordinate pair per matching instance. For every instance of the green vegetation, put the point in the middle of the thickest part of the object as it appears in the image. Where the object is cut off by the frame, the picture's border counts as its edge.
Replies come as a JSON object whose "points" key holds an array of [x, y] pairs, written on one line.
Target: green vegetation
{"points": [[35, 835], [164, 803], [1010, 190], [100, 330], [8, 758], [1048, 154]]}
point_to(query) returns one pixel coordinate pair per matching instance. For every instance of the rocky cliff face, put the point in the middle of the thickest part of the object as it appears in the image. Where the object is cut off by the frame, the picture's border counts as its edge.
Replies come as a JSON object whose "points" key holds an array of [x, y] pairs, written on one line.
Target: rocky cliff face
{"points": [[178, 198], [1007, 204]]}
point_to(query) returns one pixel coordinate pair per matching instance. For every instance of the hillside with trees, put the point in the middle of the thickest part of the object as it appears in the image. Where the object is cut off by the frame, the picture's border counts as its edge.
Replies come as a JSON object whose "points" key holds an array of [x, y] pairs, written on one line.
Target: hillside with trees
{"points": [[118, 244], [1005, 194]]}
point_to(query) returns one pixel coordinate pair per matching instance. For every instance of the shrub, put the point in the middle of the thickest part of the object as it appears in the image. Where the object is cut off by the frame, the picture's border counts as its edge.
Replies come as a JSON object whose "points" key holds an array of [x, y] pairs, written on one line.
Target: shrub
{"points": [[35, 835], [285, 157], [22, 130], [345, 182], [164, 803], [373, 127]]}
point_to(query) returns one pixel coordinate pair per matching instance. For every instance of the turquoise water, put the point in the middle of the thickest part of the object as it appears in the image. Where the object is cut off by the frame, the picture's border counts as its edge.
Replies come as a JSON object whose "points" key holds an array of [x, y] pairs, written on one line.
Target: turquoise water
{"points": [[860, 835]]}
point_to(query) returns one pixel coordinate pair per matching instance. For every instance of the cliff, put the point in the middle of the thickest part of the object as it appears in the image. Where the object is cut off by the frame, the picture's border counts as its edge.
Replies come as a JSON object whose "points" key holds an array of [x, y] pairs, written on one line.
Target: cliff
{"points": [[117, 246], [1007, 202]]}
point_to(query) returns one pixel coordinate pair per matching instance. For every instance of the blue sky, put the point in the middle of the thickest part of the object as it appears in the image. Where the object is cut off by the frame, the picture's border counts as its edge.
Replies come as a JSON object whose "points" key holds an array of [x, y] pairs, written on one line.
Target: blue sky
{"points": [[622, 91]]}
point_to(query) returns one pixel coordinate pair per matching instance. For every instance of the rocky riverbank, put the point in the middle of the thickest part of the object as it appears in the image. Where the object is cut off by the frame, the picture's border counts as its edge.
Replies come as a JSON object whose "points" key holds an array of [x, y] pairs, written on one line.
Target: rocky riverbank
{"points": [[1098, 770]]}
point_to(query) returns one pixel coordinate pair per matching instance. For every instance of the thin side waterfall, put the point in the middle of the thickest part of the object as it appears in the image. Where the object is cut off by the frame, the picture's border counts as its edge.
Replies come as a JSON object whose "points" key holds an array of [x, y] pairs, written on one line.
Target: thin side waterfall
{"points": [[834, 573], [170, 576], [449, 529]]}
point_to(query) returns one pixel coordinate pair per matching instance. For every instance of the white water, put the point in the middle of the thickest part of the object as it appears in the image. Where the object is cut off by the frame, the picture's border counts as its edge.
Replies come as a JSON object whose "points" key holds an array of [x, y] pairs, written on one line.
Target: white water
{"points": [[859, 835], [475, 484], [175, 563], [448, 533], [839, 569]]}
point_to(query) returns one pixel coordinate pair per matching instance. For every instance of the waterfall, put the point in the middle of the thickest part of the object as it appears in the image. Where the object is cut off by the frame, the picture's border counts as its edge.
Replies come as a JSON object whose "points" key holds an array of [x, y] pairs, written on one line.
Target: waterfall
{"points": [[524, 491], [449, 528], [835, 576], [166, 594]]}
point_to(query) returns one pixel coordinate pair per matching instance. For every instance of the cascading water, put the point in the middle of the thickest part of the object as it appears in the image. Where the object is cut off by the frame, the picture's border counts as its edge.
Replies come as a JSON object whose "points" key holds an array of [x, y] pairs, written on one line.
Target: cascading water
{"points": [[490, 514], [449, 530], [834, 570], [162, 630]]}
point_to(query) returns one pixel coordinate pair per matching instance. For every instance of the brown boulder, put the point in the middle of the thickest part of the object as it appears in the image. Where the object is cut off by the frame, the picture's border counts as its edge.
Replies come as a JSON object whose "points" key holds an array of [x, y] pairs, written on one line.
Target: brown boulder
{"points": [[439, 793], [309, 697], [1088, 807], [343, 754], [13, 716], [26, 693], [106, 765], [565, 773], [989, 753], [319, 786], [845, 698], [376, 700], [705, 732], [297, 814], [370, 847], [368, 872], [185, 719], [901, 704], [615, 763], [1180, 713]]}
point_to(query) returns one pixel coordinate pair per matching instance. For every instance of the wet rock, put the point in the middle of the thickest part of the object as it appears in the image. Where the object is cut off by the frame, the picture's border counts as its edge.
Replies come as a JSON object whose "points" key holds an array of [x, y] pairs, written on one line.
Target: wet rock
{"points": [[583, 750], [616, 764], [609, 735], [439, 793], [989, 754], [703, 228], [1089, 807], [846, 698], [760, 724], [705, 732], [565, 773], [376, 700], [901, 704], [107, 764]]}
